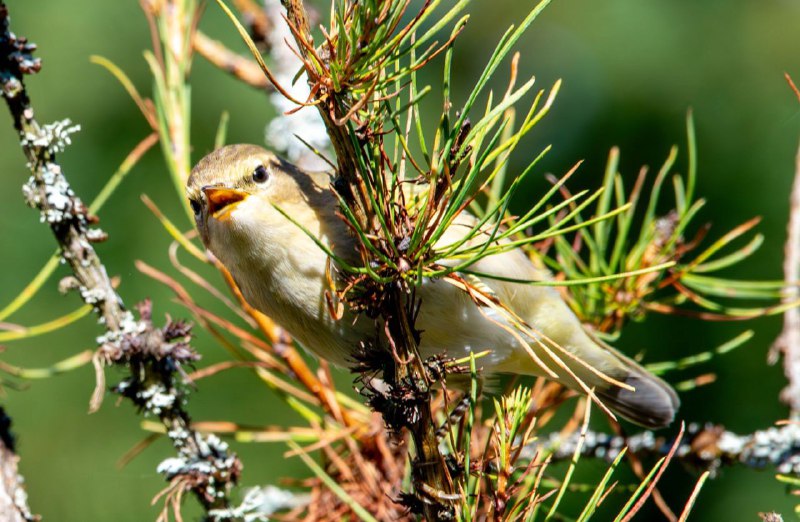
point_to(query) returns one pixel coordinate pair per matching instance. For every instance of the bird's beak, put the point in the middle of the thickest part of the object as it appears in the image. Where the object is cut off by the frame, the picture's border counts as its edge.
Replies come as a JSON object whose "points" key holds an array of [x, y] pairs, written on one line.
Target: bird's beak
{"points": [[221, 201]]}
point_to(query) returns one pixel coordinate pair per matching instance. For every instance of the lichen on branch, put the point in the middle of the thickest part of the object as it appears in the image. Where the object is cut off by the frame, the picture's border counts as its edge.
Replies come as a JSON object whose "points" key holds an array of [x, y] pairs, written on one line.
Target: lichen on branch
{"points": [[154, 357]]}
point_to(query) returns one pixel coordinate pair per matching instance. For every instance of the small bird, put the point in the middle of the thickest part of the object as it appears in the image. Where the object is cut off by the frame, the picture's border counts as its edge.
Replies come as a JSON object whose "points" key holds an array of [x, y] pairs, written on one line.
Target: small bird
{"points": [[281, 271]]}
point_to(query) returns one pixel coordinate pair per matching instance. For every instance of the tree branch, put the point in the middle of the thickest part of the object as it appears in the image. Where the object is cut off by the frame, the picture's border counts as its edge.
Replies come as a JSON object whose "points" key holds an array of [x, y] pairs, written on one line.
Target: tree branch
{"points": [[13, 498], [704, 447], [406, 400], [239, 66], [154, 356], [788, 342]]}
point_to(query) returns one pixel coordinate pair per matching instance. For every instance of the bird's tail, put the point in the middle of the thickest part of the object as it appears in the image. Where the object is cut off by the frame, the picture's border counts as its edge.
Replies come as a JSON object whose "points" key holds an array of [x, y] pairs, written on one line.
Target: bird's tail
{"points": [[652, 404], [646, 400]]}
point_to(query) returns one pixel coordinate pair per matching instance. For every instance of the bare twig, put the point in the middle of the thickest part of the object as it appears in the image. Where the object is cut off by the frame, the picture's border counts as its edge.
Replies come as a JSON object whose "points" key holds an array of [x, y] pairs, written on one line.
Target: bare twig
{"points": [[155, 356], [242, 68], [255, 17], [788, 342], [13, 498]]}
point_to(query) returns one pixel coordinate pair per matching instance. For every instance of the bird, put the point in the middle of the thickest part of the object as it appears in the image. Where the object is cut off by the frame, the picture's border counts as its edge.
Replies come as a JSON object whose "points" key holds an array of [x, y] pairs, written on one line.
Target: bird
{"points": [[248, 204]]}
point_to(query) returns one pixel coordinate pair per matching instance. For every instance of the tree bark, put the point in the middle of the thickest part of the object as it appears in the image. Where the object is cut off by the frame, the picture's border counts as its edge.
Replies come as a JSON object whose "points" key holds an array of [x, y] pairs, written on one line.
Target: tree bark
{"points": [[13, 498]]}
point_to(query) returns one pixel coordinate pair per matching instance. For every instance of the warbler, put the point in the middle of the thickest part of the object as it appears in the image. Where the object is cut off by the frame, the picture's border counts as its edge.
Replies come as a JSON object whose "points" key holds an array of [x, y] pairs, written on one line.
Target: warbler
{"points": [[241, 196]]}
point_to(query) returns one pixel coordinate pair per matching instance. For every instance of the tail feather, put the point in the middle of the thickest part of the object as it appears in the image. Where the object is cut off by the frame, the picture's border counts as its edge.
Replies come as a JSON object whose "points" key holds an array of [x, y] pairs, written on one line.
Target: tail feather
{"points": [[653, 403]]}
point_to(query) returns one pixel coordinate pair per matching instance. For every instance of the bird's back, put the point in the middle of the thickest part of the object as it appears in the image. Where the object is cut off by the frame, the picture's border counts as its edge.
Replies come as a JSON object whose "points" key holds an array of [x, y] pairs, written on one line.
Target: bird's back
{"points": [[554, 335]]}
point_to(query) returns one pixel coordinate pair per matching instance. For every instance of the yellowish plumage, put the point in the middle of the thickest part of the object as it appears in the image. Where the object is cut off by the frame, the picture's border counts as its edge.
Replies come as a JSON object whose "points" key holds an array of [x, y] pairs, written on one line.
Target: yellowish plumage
{"points": [[282, 272]]}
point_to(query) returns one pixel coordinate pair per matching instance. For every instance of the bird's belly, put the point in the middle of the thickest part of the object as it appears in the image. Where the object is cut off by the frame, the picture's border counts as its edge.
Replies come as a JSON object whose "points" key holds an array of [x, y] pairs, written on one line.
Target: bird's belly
{"points": [[305, 316], [449, 321]]}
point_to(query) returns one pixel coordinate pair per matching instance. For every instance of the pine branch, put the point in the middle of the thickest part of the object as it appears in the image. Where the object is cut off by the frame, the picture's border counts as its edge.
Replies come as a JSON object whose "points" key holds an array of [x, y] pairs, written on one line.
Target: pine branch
{"points": [[405, 403]]}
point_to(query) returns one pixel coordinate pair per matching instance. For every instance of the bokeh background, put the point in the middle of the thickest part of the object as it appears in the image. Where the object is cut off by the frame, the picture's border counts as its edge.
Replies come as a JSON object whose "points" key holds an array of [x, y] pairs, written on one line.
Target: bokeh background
{"points": [[631, 70]]}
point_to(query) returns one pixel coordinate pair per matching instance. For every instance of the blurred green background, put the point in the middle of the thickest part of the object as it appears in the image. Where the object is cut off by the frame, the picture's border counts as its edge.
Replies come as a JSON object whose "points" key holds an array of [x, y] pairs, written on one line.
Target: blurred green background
{"points": [[630, 70]]}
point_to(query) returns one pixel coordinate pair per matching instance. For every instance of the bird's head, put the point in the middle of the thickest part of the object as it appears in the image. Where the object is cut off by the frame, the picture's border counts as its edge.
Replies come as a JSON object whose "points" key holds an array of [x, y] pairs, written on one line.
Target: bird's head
{"points": [[225, 179], [234, 192]]}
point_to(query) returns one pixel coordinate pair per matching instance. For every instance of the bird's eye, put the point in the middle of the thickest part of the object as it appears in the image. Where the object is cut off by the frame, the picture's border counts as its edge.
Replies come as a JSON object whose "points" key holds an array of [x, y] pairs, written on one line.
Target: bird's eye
{"points": [[260, 175], [196, 208]]}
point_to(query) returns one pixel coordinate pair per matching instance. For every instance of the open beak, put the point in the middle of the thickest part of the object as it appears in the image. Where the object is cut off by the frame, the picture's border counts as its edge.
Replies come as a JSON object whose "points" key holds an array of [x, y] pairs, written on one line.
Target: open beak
{"points": [[222, 200]]}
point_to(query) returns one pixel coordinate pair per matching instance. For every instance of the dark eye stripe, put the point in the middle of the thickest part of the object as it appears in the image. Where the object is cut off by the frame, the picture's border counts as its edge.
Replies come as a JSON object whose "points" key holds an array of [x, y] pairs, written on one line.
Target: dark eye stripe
{"points": [[260, 175], [196, 208]]}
